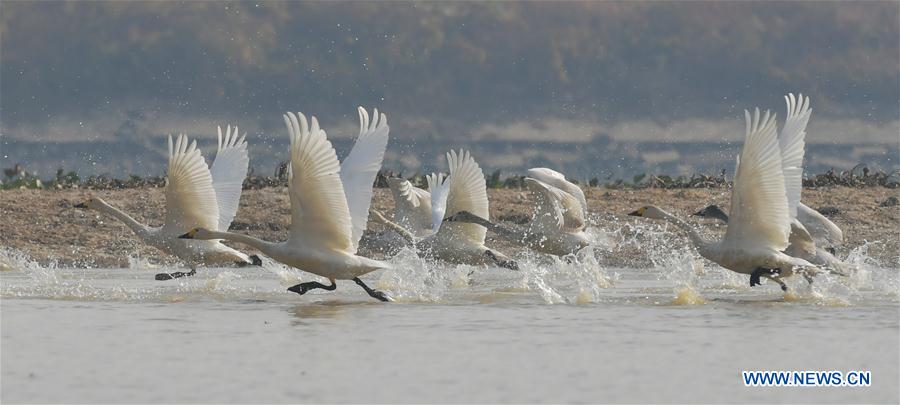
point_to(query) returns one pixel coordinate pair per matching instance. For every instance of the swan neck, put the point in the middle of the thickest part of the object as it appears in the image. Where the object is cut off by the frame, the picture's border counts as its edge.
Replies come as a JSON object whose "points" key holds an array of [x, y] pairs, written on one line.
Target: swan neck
{"points": [[258, 244], [135, 226], [406, 234], [695, 237]]}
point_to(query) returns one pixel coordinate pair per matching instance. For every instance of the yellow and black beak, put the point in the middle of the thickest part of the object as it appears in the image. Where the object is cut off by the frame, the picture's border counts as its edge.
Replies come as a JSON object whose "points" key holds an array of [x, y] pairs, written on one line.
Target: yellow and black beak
{"points": [[638, 213], [189, 235]]}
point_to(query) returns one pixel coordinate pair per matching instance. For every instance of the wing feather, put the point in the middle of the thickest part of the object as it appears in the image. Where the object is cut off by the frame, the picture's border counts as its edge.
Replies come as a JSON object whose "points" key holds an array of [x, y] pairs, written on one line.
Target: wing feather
{"points": [[759, 204], [319, 212], [558, 180], [190, 197], [792, 144], [228, 172], [439, 186], [468, 192], [359, 169]]}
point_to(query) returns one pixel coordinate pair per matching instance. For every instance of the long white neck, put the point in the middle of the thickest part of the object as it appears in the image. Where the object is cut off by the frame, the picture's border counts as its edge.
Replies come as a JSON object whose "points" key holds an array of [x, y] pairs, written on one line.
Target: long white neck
{"points": [[266, 247], [406, 234], [702, 244], [137, 227]]}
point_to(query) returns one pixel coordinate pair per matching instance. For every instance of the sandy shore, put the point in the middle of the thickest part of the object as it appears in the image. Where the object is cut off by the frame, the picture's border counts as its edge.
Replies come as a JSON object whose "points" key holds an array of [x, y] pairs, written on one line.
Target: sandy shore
{"points": [[43, 224]]}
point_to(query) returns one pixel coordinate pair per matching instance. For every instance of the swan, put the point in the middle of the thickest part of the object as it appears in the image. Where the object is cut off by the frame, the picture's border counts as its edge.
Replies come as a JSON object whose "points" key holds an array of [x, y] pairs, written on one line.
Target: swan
{"points": [[195, 196], [764, 201], [557, 225], [809, 233], [455, 242], [412, 207], [329, 204], [412, 211]]}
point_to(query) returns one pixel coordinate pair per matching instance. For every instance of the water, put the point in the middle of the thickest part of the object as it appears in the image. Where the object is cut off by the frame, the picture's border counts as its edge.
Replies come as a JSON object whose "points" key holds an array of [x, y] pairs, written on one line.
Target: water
{"points": [[554, 332]]}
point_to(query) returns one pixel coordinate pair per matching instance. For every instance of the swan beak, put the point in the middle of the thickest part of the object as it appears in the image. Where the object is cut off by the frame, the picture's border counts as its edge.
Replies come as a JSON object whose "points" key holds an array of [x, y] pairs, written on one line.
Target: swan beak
{"points": [[638, 213], [189, 235], [80, 205]]}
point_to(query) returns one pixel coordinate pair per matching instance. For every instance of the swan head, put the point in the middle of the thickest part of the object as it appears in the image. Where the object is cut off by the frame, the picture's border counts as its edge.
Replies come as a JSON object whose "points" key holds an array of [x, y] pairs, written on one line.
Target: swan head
{"points": [[649, 211], [197, 233], [91, 203], [464, 216], [712, 211]]}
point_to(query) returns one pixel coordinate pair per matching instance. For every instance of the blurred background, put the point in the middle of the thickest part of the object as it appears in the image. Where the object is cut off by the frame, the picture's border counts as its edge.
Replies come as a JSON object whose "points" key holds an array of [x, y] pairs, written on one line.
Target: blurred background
{"points": [[595, 89]]}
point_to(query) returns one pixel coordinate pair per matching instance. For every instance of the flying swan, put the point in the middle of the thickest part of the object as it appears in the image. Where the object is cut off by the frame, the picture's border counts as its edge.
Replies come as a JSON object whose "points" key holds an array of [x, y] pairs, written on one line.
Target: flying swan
{"points": [[329, 204], [557, 225], [195, 196], [764, 200], [455, 242]]}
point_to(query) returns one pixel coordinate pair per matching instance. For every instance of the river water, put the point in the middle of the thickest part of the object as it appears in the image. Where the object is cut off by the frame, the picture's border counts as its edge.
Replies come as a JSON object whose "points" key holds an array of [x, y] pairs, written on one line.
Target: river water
{"points": [[680, 331]]}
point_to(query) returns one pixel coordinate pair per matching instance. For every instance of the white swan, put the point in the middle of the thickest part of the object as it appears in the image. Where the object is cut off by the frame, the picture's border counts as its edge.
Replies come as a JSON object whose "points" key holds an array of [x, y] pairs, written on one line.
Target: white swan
{"points": [[557, 225], [805, 244], [412, 211], [412, 207], [764, 201], [195, 196], [329, 204], [456, 242]]}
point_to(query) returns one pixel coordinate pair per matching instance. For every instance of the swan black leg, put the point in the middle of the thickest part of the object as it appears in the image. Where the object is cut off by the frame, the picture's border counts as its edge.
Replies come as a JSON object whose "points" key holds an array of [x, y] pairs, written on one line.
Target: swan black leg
{"points": [[507, 264], [767, 273], [303, 288], [177, 274], [372, 293]]}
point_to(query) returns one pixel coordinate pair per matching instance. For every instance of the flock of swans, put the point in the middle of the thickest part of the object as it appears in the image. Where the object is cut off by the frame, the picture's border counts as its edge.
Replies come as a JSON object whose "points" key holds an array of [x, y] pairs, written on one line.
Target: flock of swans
{"points": [[769, 232]]}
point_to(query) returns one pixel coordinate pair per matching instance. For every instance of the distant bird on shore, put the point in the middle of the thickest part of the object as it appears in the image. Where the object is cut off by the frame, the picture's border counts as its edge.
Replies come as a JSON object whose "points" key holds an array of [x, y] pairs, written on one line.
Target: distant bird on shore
{"points": [[557, 225], [464, 189], [329, 204], [764, 200], [810, 232], [195, 196]]}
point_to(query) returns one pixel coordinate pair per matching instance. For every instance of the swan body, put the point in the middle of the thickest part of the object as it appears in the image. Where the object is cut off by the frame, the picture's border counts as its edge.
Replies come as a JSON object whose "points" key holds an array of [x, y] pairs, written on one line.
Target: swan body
{"points": [[764, 200], [195, 196], [455, 242], [802, 243], [557, 225], [329, 204]]}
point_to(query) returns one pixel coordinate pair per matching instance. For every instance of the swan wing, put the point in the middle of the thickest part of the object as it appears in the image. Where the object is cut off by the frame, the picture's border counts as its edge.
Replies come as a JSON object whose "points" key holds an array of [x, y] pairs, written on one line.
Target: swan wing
{"points": [[792, 144], [359, 169], [439, 186], [557, 210], [759, 205], [228, 172], [548, 215], [558, 180], [319, 212], [800, 243], [412, 205], [468, 192], [822, 229], [190, 196]]}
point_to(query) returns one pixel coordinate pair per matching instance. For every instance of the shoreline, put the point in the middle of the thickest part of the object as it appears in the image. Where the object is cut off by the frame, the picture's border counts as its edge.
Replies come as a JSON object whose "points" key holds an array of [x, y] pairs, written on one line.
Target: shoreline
{"points": [[44, 225]]}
